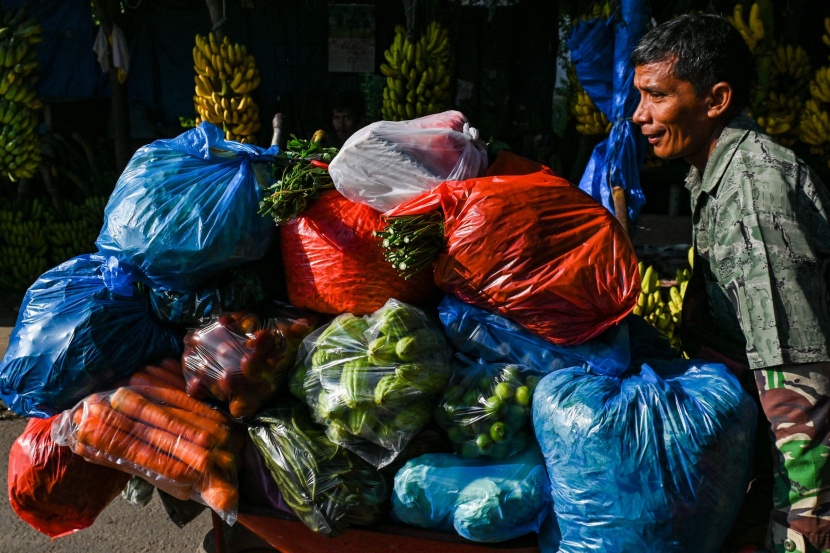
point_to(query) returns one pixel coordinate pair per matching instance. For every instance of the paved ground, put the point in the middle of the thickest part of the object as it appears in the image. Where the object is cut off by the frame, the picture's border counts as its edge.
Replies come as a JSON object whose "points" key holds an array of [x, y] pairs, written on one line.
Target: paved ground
{"points": [[124, 528]]}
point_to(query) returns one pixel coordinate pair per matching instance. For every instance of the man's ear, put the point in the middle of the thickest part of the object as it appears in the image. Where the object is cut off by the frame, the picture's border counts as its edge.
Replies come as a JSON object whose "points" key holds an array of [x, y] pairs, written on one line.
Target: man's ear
{"points": [[720, 100]]}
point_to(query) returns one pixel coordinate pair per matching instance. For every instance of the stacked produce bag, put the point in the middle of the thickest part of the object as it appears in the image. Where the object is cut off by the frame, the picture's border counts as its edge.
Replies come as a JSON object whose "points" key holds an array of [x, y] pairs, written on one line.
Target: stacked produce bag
{"points": [[454, 349]]}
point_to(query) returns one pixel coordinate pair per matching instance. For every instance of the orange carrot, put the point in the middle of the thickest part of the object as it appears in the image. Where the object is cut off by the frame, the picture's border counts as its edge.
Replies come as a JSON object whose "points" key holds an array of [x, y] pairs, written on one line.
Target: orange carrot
{"points": [[177, 398], [98, 434], [175, 380], [219, 494], [188, 452], [177, 490], [138, 407], [220, 432]]}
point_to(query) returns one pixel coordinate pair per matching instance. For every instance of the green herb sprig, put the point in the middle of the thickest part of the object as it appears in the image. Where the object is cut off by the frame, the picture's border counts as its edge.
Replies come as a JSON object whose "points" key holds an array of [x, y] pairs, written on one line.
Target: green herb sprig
{"points": [[412, 242]]}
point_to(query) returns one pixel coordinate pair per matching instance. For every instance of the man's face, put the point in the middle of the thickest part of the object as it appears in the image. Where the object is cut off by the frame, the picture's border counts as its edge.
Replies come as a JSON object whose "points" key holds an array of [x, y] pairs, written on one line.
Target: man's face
{"points": [[673, 118], [343, 122]]}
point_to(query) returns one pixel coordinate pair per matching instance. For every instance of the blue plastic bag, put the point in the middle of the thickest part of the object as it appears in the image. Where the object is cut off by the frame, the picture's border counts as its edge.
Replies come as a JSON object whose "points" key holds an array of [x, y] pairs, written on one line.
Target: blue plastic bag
{"points": [[658, 460], [82, 326], [481, 334], [483, 500], [185, 208]]}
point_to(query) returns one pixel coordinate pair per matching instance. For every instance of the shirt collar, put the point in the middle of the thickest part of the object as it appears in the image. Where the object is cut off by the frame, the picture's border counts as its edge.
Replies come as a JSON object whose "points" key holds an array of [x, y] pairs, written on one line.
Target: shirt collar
{"points": [[725, 148]]}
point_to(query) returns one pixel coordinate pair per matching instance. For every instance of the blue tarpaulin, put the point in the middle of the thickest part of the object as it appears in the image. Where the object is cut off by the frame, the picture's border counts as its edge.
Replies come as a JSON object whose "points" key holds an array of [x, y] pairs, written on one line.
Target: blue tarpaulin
{"points": [[600, 50]]}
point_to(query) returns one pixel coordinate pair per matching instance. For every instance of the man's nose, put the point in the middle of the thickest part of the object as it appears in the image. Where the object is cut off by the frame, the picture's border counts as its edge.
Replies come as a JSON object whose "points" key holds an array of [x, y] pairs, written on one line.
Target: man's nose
{"points": [[639, 115]]}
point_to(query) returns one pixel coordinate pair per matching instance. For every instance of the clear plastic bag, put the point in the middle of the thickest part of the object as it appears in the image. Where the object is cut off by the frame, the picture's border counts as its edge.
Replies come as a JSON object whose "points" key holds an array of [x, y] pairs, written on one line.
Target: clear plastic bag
{"points": [[486, 409], [243, 357], [327, 487], [483, 500], [180, 445], [645, 461], [373, 381], [389, 162], [185, 208]]}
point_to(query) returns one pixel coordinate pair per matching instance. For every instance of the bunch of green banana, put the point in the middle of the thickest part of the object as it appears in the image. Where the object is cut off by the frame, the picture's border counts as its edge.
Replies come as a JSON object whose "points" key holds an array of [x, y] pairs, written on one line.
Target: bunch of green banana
{"points": [[820, 85], [814, 126], [589, 119], [226, 74], [23, 246], [19, 144], [752, 30], [418, 74], [789, 64], [652, 304]]}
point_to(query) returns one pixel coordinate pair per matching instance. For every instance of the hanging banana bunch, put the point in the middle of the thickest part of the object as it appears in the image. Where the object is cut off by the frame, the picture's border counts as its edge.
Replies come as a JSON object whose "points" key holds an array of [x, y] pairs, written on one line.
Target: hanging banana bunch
{"points": [[825, 38], [19, 144], [418, 74], [226, 74], [589, 119], [752, 29], [814, 126], [653, 306], [23, 245]]}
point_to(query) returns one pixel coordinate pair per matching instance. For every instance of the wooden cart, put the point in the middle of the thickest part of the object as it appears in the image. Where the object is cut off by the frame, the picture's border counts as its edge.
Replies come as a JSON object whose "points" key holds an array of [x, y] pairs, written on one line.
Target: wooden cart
{"points": [[289, 535]]}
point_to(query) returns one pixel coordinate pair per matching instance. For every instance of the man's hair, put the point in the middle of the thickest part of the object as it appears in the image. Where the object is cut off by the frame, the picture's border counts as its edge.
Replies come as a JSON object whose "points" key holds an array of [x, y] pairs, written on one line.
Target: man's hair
{"points": [[707, 50], [350, 100]]}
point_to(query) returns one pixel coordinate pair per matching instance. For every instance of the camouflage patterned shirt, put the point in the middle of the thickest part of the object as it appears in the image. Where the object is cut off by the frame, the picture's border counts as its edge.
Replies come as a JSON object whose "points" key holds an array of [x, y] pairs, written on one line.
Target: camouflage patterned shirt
{"points": [[762, 234]]}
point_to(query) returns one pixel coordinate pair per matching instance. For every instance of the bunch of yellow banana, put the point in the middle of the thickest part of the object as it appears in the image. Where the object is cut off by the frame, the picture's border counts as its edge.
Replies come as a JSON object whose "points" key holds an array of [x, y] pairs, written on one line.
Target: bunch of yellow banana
{"points": [[589, 119], [597, 10], [778, 125], [19, 143], [752, 30], [826, 36], [652, 305], [814, 126], [418, 74], [226, 74]]}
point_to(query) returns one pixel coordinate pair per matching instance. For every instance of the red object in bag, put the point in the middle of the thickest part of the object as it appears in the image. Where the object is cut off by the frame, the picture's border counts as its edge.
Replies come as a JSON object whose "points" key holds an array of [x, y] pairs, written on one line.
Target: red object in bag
{"points": [[334, 264], [535, 249], [54, 490]]}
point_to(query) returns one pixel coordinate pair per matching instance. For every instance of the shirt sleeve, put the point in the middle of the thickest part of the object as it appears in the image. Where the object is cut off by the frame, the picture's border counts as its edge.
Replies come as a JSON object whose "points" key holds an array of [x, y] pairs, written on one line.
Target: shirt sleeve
{"points": [[768, 262]]}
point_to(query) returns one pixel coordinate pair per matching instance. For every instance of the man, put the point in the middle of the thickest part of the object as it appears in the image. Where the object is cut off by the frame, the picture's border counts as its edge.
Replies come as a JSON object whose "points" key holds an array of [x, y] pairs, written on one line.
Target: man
{"points": [[762, 254]]}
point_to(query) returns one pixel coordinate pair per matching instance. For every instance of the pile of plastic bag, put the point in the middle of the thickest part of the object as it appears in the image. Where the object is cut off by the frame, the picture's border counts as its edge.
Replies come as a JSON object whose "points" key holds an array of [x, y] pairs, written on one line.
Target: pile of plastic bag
{"points": [[503, 390]]}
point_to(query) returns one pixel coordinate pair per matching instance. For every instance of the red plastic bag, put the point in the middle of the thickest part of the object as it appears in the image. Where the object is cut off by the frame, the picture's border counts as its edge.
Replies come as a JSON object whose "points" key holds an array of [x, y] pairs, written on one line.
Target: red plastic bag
{"points": [[54, 490], [535, 249], [334, 264], [243, 357]]}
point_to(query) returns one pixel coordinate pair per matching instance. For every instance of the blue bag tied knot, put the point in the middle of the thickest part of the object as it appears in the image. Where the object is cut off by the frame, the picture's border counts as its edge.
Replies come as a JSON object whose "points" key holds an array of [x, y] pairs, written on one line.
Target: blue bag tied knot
{"points": [[117, 277]]}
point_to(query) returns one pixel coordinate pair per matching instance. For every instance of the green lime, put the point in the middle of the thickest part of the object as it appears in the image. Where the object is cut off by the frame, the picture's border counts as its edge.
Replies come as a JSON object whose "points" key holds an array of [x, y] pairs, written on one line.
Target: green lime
{"points": [[454, 394], [469, 450], [485, 383], [471, 398], [523, 395], [498, 431], [516, 417], [492, 405], [483, 442], [456, 434], [504, 390]]}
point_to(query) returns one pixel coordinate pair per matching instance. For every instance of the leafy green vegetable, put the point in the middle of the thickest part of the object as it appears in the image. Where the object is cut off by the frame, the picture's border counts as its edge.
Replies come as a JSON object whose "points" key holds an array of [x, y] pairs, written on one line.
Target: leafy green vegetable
{"points": [[412, 242], [301, 174]]}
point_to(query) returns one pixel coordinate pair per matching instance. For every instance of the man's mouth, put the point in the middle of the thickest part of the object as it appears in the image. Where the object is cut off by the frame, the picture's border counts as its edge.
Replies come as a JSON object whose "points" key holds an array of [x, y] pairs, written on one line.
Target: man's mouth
{"points": [[654, 138]]}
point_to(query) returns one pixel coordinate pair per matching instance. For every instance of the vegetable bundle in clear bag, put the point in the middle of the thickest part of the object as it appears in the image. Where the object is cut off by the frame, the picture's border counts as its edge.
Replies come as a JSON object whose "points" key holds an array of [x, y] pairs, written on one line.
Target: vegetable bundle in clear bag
{"points": [[374, 381], [243, 357], [179, 444], [83, 326], [389, 162], [483, 500], [327, 487], [486, 409], [185, 208], [54, 490]]}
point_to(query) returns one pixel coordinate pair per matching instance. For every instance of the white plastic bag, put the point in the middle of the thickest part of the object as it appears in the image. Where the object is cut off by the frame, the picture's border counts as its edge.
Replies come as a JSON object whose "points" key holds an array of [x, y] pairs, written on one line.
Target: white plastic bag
{"points": [[388, 162]]}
